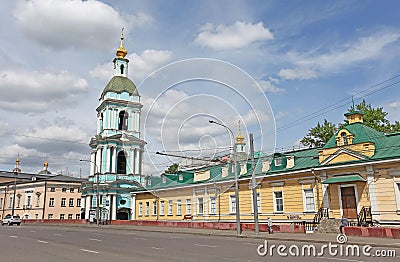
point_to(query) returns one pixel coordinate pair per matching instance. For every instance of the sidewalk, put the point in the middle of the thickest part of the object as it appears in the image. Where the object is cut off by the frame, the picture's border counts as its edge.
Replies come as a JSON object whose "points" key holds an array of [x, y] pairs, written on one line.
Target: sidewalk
{"points": [[297, 237]]}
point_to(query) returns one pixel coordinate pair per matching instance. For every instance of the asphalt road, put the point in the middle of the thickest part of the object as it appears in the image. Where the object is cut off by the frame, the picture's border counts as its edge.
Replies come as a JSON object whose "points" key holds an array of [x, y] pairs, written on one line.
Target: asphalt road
{"points": [[68, 243]]}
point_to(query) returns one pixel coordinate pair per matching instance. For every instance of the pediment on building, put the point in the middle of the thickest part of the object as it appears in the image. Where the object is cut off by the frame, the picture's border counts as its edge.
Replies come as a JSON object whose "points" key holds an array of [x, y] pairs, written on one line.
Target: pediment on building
{"points": [[342, 155]]}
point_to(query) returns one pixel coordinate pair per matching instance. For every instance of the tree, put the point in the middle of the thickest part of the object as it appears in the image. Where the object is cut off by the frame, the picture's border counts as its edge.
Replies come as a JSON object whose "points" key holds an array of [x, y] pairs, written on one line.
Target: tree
{"points": [[319, 135], [376, 118], [373, 117], [172, 169]]}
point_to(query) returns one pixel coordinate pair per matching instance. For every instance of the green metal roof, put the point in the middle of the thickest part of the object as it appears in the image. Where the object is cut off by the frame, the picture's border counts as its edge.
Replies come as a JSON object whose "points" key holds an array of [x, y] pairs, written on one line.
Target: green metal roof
{"points": [[362, 134], [344, 178], [119, 84]]}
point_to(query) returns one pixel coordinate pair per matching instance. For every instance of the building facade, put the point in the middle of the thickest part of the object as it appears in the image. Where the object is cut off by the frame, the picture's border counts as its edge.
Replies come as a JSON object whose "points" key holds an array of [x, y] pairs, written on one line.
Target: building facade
{"points": [[116, 149]]}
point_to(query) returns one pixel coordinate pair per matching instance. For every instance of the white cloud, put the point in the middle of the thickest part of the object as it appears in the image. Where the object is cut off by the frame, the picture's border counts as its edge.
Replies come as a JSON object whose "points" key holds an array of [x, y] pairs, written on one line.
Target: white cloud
{"points": [[297, 73], [73, 23], [39, 91], [269, 87], [395, 104], [140, 66], [237, 35], [364, 49]]}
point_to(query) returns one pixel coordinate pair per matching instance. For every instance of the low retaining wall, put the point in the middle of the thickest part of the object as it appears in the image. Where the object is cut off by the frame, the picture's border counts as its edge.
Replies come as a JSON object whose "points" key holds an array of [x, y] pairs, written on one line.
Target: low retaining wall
{"points": [[383, 232]]}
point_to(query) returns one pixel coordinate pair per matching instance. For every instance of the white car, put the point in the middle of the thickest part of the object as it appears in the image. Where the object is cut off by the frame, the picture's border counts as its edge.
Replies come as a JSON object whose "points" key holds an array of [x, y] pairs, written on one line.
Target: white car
{"points": [[11, 220]]}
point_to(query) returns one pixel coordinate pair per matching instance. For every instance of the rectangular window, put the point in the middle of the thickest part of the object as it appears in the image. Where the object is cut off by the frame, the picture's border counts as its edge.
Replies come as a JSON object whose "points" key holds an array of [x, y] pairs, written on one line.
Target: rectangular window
{"points": [[37, 200], [28, 202], [140, 209], [278, 196], [62, 216], [50, 216], [63, 202], [188, 207], [147, 208], [18, 201], [52, 189], [278, 161], [71, 190], [154, 208], [78, 202], [258, 203], [162, 207], [170, 207], [77, 216], [10, 202], [201, 205], [232, 204], [71, 202], [51, 202], [1, 203], [212, 205], [179, 207], [309, 204], [69, 216], [64, 189]]}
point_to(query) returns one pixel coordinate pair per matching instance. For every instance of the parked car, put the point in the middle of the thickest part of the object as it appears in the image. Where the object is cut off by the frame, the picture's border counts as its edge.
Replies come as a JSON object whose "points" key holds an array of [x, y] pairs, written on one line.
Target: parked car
{"points": [[11, 220]]}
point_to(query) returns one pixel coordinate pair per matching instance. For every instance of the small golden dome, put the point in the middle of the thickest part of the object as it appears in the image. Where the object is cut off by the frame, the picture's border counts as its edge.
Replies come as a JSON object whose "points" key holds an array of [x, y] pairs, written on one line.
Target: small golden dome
{"points": [[121, 51], [240, 137], [46, 164]]}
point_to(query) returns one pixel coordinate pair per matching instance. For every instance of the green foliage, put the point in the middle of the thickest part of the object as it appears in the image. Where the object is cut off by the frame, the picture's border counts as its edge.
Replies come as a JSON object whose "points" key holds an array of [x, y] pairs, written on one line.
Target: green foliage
{"points": [[319, 135], [373, 117], [172, 169]]}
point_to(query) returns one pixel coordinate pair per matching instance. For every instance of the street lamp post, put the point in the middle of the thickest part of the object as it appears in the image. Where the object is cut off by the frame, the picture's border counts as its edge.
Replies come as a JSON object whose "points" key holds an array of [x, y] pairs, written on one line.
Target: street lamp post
{"points": [[97, 189], [15, 171], [238, 229]]}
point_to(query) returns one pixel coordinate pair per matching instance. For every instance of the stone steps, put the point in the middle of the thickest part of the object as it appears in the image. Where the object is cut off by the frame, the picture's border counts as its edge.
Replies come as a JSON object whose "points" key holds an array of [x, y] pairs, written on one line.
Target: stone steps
{"points": [[328, 225]]}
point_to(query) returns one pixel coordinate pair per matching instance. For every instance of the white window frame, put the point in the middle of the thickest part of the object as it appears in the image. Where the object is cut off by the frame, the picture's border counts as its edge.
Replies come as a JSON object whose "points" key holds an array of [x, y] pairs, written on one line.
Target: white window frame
{"points": [[63, 202], [178, 207], [200, 203], [147, 208], [50, 216], [51, 202], [71, 202], [188, 206], [37, 200], [213, 205], [275, 204], [170, 206], [70, 216], [397, 193], [10, 202], [154, 208], [278, 161], [78, 202], [258, 194], [305, 199], [162, 208], [140, 209], [232, 204], [62, 216]]}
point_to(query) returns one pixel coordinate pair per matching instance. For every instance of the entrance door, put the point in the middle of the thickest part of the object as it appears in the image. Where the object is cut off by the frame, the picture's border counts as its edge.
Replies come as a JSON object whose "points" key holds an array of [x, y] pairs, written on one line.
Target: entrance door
{"points": [[349, 204]]}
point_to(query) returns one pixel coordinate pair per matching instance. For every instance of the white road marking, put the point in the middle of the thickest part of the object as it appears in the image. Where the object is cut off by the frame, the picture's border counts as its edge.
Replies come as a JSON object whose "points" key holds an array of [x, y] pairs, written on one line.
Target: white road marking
{"points": [[253, 244], [14, 236], [177, 237], [141, 238], [41, 241], [89, 251], [156, 248], [98, 234], [203, 245], [95, 239], [342, 259], [32, 231], [57, 235]]}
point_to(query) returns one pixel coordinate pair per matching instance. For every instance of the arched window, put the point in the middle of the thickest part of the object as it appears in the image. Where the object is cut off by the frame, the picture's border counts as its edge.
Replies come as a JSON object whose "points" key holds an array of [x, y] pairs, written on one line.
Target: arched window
{"points": [[101, 122], [122, 69], [123, 120], [344, 138], [121, 166]]}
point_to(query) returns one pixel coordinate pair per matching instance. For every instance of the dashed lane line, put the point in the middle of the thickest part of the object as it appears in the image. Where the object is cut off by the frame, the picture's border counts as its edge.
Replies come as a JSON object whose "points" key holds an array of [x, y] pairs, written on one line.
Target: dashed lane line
{"points": [[43, 242], [95, 239], [99, 234], [13, 236], [89, 251], [57, 235], [199, 245], [158, 248]]}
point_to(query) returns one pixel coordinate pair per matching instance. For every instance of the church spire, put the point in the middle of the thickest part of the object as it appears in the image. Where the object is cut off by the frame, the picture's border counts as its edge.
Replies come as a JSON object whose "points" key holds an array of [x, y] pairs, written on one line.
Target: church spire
{"points": [[17, 169], [121, 51]]}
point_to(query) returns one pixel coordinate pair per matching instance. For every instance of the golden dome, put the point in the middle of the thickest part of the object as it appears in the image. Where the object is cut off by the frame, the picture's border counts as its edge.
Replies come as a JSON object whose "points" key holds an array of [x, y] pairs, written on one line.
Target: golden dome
{"points": [[121, 51], [240, 137]]}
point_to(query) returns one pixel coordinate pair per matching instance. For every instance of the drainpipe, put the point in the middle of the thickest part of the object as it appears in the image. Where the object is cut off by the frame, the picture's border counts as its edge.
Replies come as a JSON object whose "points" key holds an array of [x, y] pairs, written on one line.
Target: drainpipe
{"points": [[317, 186], [4, 201]]}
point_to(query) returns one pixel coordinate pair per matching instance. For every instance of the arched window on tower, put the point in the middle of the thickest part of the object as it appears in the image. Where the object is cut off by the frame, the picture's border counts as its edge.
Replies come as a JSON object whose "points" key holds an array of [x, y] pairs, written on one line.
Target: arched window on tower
{"points": [[101, 122], [123, 120], [344, 138], [122, 69], [121, 165]]}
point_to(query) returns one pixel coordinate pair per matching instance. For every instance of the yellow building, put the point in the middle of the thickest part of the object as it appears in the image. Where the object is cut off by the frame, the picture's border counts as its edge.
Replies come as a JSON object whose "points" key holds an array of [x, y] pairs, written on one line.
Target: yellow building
{"points": [[355, 175]]}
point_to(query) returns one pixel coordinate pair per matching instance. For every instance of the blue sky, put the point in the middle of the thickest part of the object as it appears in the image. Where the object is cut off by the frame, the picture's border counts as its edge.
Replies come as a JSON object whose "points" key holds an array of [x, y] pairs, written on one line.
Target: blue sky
{"points": [[55, 59]]}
